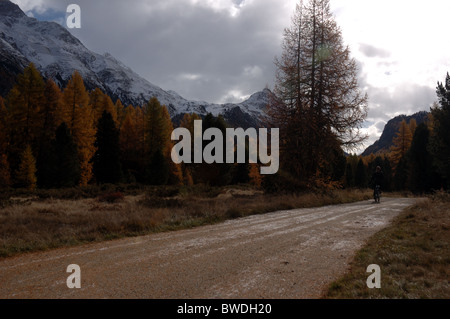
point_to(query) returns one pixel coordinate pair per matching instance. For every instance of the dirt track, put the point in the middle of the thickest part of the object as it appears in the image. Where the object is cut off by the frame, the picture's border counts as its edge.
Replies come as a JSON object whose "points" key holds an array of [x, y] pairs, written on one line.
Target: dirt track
{"points": [[285, 254]]}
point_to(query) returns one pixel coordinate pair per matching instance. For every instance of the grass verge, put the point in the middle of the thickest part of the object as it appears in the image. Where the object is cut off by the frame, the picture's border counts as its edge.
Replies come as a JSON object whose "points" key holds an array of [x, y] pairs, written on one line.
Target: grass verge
{"points": [[413, 255], [32, 223]]}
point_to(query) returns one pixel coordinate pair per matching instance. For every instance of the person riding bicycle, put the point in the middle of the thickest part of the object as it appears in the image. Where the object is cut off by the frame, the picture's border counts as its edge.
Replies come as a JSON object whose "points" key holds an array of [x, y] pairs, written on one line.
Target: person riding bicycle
{"points": [[377, 180]]}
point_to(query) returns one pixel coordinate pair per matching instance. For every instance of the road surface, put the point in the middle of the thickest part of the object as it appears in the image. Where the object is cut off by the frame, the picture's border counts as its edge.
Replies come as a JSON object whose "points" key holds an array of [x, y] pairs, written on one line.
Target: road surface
{"points": [[285, 254]]}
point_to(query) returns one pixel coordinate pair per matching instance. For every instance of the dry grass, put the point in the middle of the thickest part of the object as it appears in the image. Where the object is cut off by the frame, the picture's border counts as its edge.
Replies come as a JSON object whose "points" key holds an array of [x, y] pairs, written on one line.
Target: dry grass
{"points": [[32, 224], [413, 254]]}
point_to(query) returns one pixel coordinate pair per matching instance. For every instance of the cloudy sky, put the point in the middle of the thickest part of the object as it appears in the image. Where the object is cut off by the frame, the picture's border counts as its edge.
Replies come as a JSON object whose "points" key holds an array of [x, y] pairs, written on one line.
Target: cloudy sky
{"points": [[223, 50]]}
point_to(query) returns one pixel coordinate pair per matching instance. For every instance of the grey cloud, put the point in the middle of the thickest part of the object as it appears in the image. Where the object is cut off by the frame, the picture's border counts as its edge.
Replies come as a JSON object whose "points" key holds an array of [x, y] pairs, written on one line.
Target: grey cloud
{"points": [[372, 52], [164, 39], [405, 99]]}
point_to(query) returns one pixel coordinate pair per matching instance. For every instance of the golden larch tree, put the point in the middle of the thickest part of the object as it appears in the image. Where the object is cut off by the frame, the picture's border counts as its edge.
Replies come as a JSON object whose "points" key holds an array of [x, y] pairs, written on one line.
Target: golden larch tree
{"points": [[25, 101], [26, 175], [121, 113], [402, 142], [79, 117]]}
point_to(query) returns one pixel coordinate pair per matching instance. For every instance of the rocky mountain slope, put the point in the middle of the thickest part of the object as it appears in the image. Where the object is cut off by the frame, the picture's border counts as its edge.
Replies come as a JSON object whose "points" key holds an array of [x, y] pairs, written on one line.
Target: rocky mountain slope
{"points": [[389, 131]]}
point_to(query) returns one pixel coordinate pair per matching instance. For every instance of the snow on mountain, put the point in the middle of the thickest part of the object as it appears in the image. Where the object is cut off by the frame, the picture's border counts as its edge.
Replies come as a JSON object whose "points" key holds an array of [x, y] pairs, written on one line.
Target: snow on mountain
{"points": [[57, 54]]}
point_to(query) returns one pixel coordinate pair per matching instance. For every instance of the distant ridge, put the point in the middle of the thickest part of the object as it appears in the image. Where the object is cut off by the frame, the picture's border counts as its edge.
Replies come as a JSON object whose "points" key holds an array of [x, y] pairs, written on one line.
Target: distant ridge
{"points": [[391, 128]]}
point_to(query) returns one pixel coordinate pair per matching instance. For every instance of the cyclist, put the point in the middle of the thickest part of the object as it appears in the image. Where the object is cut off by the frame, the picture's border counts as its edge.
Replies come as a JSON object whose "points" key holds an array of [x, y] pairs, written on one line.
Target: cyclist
{"points": [[377, 181]]}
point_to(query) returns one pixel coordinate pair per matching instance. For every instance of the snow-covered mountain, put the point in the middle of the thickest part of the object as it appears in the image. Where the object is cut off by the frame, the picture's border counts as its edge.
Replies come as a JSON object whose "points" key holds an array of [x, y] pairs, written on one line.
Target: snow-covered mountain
{"points": [[57, 54]]}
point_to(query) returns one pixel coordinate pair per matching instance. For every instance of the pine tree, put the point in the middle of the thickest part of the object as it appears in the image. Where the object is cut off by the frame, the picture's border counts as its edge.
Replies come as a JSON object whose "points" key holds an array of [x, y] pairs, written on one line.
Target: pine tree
{"points": [[440, 137], [361, 175], [387, 174], [349, 179], [65, 171], [79, 117], [216, 174], [107, 168], [51, 115], [158, 170], [402, 142], [317, 98], [419, 159], [26, 175], [401, 174]]}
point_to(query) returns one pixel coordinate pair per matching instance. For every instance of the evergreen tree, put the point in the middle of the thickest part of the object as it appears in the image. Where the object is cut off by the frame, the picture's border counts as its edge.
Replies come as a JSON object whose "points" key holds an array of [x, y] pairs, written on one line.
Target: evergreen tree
{"points": [[349, 176], [51, 115], [107, 168], [157, 169], [65, 170], [401, 174], [421, 175], [361, 175], [440, 138], [216, 174], [418, 160], [387, 174]]}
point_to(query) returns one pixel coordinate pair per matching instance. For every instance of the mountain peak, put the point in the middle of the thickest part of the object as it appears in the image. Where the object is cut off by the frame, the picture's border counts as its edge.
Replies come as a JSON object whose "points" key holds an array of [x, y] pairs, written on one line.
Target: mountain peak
{"points": [[9, 9]]}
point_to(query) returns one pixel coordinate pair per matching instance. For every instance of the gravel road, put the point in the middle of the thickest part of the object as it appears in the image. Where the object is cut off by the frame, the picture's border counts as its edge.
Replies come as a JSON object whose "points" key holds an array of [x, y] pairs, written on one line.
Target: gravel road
{"points": [[285, 254]]}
